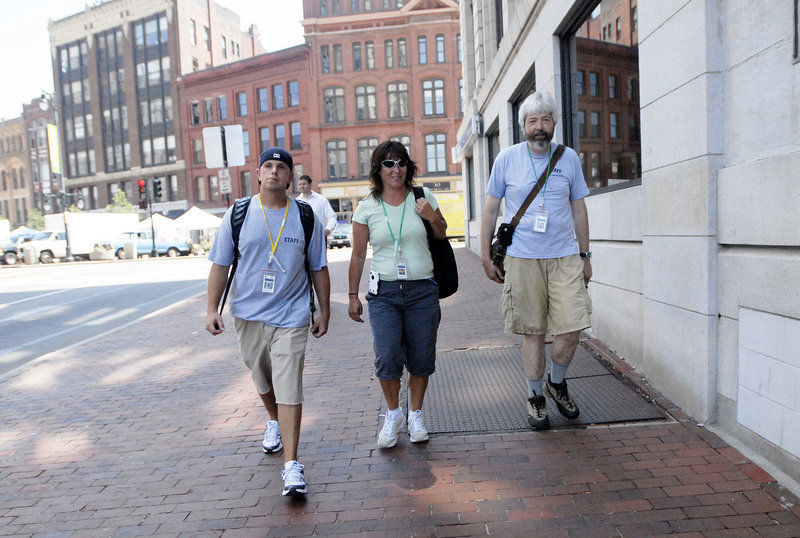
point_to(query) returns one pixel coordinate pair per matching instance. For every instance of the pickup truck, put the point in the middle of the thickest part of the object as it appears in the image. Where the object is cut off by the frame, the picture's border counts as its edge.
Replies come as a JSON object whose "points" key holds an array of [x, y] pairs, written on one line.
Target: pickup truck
{"points": [[11, 250], [144, 245]]}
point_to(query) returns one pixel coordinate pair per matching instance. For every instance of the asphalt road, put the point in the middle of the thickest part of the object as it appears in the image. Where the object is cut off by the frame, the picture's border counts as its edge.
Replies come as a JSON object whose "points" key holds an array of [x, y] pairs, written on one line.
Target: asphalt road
{"points": [[48, 307]]}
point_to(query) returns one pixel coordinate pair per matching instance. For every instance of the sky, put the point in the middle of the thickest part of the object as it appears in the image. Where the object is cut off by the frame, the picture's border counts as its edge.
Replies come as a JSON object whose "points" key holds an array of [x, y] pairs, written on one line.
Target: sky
{"points": [[25, 43]]}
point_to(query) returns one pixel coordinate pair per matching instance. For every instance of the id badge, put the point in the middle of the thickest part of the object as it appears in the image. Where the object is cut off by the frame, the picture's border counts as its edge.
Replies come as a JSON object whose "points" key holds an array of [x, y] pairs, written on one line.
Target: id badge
{"points": [[268, 281], [540, 221], [402, 268]]}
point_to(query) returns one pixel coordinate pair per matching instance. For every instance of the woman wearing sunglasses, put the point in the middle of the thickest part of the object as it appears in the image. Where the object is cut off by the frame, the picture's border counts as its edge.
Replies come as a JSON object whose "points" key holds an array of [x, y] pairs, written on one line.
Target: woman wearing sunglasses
{"points": [[403, 297]]}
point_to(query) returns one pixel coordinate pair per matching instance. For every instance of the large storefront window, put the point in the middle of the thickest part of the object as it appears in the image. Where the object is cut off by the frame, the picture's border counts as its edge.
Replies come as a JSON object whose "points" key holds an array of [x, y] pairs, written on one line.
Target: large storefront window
{"points": [[601, 103]]}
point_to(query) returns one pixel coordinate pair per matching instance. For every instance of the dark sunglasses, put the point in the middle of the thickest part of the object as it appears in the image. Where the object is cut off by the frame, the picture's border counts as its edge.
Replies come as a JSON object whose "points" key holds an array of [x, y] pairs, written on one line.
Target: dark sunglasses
{"points": [[389, 163]]}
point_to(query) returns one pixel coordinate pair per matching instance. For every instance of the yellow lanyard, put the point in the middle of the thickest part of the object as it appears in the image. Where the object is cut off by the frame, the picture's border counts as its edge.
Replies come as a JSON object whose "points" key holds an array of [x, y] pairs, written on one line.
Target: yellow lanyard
{"points": [[274, 244]]}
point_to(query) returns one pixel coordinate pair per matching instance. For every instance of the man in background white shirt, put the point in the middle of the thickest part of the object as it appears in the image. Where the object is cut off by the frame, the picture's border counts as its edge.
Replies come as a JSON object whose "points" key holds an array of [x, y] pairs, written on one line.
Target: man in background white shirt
{"points": [[321, 206]]}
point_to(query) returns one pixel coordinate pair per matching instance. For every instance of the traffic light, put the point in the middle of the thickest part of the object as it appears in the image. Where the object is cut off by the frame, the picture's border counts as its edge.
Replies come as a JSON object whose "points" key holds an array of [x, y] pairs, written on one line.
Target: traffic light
{"points": [[142, 194], [156, 189]]}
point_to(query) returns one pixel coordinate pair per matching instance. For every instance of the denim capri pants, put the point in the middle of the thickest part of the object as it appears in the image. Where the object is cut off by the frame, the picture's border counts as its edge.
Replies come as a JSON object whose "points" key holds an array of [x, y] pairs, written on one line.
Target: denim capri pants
{"points": [[404, 317]]}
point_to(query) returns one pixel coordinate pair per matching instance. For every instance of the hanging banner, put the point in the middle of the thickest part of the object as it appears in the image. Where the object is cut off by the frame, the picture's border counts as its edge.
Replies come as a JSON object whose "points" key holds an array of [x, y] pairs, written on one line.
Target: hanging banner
{"points": [[55, 149]]}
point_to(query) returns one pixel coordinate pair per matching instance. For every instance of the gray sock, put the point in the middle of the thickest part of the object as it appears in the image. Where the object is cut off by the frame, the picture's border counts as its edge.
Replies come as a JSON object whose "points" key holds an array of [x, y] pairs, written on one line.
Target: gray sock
{"points": [[557, 373], [535, 387]]}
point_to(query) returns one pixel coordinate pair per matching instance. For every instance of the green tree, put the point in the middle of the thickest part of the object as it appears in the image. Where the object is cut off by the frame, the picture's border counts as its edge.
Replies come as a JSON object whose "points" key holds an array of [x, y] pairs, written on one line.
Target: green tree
{"points": [[74, 209], [120, 204], [35, 220]]}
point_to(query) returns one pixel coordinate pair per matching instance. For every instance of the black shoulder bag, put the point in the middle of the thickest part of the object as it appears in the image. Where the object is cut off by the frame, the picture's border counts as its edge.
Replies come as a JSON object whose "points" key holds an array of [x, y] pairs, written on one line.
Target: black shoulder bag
{"points": [[445, 270], [505, 232]]}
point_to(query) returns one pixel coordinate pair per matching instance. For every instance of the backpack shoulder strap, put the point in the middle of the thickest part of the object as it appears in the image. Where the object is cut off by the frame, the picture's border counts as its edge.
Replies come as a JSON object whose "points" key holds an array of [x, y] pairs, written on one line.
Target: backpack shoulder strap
{"points": [[418, 193], [307, 218], [240, 208], [238, 214]]}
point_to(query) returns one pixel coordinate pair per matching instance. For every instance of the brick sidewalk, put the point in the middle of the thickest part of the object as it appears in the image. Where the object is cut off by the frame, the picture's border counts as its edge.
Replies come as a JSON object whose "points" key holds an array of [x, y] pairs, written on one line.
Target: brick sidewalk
{"points": [[160, 435]]}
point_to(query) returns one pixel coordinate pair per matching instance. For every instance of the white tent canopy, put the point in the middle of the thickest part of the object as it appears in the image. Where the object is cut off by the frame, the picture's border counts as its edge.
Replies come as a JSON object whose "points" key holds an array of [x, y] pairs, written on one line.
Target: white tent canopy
{"points": [[197, 219], [166, 229]]}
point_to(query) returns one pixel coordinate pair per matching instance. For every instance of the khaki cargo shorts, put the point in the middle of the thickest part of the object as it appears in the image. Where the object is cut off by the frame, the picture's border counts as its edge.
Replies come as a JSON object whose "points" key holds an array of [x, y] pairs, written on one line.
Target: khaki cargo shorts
{"points": [[545, 296], [274, 354]]}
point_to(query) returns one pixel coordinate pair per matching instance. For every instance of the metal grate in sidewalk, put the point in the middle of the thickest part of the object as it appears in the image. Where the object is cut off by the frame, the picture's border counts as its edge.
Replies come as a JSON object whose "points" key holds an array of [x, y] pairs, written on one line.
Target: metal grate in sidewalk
{"points": [[483, 390]]}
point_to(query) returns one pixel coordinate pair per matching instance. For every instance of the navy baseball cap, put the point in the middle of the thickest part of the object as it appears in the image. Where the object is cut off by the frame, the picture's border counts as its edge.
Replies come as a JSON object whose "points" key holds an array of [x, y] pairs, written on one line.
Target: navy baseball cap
{"points": [[276, 154]]}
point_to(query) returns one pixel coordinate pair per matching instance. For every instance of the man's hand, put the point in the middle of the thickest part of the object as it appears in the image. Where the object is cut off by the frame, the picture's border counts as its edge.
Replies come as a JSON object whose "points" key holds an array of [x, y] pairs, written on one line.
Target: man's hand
{"points": [[214, 323], [492, 271]]}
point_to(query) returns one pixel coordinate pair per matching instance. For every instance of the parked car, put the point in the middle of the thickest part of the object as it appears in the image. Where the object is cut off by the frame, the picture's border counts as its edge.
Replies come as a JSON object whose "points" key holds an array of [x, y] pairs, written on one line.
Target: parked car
{"points": [[144, 245], [48, 245], [341, 236], [11, 250]]}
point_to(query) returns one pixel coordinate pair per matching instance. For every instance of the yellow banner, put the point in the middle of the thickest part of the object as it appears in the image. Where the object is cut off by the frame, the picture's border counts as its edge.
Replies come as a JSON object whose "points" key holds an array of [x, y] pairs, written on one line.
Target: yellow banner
{"points": [[55, 148]]}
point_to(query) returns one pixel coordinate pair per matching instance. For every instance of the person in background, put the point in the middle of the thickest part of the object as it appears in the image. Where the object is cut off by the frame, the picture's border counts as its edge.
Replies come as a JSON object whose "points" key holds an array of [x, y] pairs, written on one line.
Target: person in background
{"points": [[548, 264], [270, 306], [321, 206], [403, 298]]}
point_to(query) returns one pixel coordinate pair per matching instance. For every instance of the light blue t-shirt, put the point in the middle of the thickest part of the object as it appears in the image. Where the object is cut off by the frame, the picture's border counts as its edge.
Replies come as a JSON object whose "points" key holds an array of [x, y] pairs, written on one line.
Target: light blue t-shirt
{"points": [[513, 178], [413, 240], [288, 305]]}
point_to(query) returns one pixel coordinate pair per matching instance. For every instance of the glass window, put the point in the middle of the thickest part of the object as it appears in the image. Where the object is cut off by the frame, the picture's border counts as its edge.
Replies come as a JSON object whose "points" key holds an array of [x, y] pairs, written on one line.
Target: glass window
{"points": [[323, 7], [336, 156], [197, 150], [277, 96], [280, 136], [435, 152], [333, 101], [579, 82], [325, 58], [337, 59], [193, 31], [241, 100], [365, 148], [296, 143], [433, 97], [366, 105], [224, 46], [613, 121], [612, 86], [194, 113], [222, 107], [356, 56], [594, 84], [582, 124], [422, 48], [369, 53], [397, 93], [294, 93], [595, 125], [264, 139], [213, 189], [245, 183], [388, 53], [458, 47], [402, 53], [246, 143], [209, 109], [207, 38], [440, 49], [263, 99]]}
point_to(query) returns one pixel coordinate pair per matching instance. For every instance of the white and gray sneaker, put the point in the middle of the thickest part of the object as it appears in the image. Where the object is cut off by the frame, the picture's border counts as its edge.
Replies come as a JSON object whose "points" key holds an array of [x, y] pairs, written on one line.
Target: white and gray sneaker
{"points": [[272, 438], [416, 429], [294, 481], [387, 438]]}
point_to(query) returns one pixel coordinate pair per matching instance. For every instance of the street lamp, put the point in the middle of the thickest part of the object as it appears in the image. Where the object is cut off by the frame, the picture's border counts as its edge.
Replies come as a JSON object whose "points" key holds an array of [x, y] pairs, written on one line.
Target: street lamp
{"points": [[44, 103]]}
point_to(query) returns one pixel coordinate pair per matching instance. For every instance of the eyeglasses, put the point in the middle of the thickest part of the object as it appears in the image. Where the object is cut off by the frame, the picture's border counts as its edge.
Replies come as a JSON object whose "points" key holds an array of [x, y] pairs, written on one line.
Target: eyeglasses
{"points": [[389, 163]]}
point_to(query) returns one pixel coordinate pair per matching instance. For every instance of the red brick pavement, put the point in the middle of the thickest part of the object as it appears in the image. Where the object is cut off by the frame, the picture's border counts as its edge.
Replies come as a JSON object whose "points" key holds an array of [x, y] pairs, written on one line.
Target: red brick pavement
{"points": [[123, 436]]}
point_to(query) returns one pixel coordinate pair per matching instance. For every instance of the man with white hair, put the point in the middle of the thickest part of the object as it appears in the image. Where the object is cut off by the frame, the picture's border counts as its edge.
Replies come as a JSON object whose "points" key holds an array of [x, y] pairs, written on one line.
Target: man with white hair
{"points": [[548, 263]]}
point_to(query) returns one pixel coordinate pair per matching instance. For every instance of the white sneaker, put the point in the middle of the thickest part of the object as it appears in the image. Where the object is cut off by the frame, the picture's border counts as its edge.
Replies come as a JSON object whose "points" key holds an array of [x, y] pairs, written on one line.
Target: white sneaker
{"points": [[294, 481], [388, 436], [416, 429], [272, 438]]}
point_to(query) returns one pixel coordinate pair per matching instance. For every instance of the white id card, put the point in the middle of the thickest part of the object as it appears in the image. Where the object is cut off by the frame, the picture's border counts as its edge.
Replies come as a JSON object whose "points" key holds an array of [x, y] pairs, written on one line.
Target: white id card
{"points": [[268, 281], [402, 268], [540, 221]]}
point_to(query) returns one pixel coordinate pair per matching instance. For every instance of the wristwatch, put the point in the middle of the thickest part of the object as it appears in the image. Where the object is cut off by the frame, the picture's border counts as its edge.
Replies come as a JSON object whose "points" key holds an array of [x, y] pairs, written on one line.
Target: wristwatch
{"points": [[586, 255]]}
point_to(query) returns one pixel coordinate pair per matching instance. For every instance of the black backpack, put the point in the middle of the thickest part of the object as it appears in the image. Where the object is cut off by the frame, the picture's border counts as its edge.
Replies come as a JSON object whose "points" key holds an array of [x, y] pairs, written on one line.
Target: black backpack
{"points": [[238, 214], [445, 270]]}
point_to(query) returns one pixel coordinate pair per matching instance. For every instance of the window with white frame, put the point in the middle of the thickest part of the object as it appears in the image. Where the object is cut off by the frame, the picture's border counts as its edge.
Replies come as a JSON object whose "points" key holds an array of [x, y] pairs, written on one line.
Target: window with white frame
{"points": [[435, 153], [365, 149], [366, 103], [397, 95], [336, 157]]}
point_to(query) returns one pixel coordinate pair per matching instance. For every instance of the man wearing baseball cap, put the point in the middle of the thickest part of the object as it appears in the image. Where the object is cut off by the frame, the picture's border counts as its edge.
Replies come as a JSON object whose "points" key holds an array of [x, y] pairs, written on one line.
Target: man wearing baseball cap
{"points": [[270, 303]]}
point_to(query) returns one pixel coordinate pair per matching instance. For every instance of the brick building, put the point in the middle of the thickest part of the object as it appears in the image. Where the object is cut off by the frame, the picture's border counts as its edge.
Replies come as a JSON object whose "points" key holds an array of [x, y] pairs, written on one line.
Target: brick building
{"points": [[114, 67], [15, 190], [268, 95], [382, 70]]}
